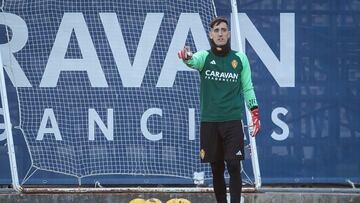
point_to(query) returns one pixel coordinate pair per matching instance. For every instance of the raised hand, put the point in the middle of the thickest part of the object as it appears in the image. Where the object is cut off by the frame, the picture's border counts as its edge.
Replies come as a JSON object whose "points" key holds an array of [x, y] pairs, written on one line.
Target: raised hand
{"points": [[185, 54]]}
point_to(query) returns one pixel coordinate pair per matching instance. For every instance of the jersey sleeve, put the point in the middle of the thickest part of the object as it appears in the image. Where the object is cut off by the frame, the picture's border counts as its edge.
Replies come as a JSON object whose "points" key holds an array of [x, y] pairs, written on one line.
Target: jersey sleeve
{"points": [[246, 82], [197, 61]]}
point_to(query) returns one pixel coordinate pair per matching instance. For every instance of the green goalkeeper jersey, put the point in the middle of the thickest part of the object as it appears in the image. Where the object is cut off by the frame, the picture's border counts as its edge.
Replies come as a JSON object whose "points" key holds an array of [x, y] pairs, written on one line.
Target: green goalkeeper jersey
{"points": [[225, 84]]}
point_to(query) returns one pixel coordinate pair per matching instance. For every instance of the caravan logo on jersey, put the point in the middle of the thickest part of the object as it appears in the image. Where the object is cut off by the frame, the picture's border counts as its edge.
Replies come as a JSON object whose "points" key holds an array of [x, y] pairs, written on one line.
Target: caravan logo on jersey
{"points": [[221, 76]]}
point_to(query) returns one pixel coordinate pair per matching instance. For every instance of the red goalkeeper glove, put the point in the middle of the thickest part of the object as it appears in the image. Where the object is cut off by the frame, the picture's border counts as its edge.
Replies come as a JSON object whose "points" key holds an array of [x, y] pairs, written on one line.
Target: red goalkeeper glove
{"points": [[255, 122], [185, 54]]}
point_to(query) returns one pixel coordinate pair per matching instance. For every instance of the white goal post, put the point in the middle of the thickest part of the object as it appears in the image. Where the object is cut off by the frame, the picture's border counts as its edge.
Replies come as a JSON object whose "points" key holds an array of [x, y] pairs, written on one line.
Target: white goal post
{"points": [[254, 155], [8, 130]]}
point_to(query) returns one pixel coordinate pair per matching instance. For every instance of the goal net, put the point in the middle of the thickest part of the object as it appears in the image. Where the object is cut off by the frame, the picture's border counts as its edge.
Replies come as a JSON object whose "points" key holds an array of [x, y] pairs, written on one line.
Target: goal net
{"points": [[105, 93]]}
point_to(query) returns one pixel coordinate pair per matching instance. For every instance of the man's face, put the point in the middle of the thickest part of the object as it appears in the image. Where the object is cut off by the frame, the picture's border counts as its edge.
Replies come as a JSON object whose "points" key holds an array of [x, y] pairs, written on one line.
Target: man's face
{"points": [[220, 34]]}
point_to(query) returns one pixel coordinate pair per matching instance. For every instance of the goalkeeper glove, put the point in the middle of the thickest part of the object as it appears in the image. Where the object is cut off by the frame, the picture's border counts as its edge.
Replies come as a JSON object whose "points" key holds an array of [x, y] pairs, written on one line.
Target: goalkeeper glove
{"points": [[255, 121], [185, 54]]}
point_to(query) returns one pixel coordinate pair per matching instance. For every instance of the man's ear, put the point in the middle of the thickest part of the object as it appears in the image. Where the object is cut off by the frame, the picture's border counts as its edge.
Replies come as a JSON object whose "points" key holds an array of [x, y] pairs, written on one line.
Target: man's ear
{"points": [[210, 35]]}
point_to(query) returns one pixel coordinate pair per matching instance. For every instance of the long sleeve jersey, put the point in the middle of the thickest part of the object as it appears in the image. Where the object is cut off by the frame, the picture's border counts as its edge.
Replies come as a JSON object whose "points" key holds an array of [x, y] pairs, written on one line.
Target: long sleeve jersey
{"points": [[225, 84]]}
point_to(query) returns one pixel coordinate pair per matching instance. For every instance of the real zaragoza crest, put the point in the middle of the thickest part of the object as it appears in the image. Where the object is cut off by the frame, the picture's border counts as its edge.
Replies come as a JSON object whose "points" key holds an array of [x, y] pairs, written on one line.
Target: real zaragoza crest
{"points": [[202, 153], [234, 63]]}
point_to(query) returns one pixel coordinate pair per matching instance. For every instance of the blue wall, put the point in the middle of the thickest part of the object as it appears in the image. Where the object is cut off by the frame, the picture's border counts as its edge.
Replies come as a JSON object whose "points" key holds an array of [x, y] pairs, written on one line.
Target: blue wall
{"points": [[321, 109]]}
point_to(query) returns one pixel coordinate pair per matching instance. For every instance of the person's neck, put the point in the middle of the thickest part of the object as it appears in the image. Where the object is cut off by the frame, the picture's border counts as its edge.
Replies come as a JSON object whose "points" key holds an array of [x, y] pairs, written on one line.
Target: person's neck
{"points": [[222, 50]]}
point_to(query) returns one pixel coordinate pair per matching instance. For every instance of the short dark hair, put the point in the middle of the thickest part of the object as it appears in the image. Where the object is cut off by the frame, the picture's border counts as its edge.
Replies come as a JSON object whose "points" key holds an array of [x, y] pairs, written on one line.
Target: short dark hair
{"points": [[217, 20]]}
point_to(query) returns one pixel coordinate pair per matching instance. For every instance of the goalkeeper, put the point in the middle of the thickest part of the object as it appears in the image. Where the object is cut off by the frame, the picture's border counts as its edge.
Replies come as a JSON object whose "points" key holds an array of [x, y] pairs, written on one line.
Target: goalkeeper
{"points": [[225, 84]]}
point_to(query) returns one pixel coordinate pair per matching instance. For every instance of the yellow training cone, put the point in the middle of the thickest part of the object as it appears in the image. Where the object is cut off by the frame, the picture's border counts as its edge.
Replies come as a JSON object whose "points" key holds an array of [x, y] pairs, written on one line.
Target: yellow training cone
{"points": [[153, 200], [178, 200], [137, 200]]}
